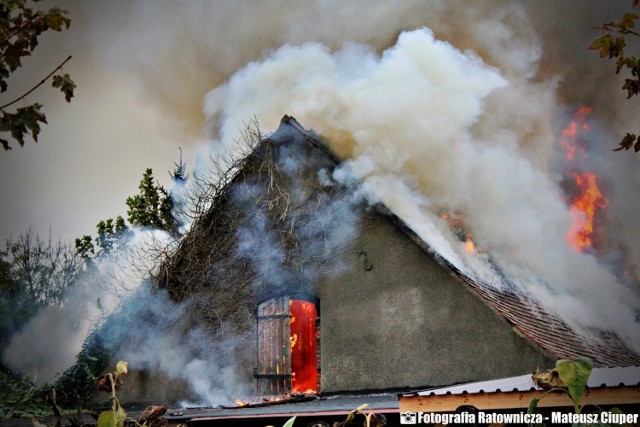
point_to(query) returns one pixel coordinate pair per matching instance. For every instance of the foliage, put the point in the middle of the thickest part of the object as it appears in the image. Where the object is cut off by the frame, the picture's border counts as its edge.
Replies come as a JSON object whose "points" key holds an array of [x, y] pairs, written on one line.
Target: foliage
{"points": [[110, 383], [109, 233], [153, 416], [74, 388], [20, 396], [612, 45], [77, 384], [34, 273], [570, 377], [20, 26], [152, 206]]}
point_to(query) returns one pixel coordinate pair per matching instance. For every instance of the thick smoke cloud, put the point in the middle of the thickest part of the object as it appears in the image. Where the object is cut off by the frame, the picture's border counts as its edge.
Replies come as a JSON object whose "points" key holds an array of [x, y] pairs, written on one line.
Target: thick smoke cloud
{"points": [[460, 117], [448, 128]]}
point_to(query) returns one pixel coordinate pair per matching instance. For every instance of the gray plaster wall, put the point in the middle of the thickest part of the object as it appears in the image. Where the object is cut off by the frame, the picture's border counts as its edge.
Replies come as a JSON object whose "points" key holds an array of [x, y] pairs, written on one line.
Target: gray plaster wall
{"points": [[407, 322]]}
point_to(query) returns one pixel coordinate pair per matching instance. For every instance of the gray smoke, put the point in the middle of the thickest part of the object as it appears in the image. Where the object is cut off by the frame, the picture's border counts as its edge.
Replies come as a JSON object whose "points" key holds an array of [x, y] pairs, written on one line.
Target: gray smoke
{"points": [[437, 107], [49, 342], [160, 342]]}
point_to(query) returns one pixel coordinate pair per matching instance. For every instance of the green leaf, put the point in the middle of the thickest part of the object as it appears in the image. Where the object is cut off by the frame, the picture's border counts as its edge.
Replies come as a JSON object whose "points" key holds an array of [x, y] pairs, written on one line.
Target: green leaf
{"points": [[603, 45], [106, 419], [575, 375], [533, 409], [24, 121], [632, 86], [120, 416], [628, 19], [65, 84], [289, 422]]}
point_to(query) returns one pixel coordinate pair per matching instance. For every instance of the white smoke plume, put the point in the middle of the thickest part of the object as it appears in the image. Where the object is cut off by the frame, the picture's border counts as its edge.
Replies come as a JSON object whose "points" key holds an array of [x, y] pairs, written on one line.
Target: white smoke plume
{"points": [[438, 107], [210, 366], [49, 343], [434, 129]]}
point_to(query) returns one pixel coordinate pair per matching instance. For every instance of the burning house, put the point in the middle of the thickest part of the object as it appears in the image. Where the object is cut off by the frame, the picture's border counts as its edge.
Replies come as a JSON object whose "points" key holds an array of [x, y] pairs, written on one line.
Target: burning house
{"points": [[336, 294]]}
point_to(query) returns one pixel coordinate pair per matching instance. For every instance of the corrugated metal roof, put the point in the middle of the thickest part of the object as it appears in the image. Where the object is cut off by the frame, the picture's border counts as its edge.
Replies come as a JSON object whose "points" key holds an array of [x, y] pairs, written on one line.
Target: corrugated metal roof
{"points": [[600, 377]]}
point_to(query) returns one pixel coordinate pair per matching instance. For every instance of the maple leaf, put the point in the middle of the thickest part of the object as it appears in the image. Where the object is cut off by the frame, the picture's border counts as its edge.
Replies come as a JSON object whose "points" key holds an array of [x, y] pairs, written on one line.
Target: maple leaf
{"points": [[65, 84]]}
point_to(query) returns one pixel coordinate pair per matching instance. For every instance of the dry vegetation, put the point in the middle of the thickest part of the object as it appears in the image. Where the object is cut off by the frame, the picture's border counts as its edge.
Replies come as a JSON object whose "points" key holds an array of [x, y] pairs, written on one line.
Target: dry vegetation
{"points": [[255, 230]]}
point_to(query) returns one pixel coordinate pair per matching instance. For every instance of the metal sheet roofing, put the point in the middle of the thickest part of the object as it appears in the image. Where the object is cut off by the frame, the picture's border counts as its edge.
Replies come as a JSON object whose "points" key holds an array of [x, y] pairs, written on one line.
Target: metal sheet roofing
{"points": [[600, 377]]}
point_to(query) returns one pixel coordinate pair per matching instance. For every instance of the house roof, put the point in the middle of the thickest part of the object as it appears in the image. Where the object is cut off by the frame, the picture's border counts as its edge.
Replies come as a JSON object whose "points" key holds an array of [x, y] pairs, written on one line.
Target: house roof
{"points": [[606, 386], [603, 379], [337, 405], [529, 317], [600, 377]]}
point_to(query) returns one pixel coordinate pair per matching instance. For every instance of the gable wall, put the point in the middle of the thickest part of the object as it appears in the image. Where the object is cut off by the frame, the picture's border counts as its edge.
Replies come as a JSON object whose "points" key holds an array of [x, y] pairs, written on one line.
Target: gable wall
{"points": [[408, 323]]}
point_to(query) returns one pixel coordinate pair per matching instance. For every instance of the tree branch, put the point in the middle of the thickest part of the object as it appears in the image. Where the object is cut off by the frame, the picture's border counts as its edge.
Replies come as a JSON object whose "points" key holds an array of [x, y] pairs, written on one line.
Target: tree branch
{"points": [[38, 85], [19, 28]]}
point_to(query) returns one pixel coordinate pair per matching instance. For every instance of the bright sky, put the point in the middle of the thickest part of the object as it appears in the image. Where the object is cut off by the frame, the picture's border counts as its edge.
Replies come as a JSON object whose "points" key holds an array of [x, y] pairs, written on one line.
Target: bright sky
{"points": [[93, 152]]}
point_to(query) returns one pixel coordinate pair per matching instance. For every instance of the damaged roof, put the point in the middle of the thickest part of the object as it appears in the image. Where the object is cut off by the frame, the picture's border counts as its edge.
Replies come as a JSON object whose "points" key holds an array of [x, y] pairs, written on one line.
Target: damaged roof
{"points": [[528, 316], [532, 320]]}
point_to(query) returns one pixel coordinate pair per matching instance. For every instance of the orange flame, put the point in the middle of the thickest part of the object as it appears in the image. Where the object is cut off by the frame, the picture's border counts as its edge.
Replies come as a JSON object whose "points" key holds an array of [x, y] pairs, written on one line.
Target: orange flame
{"points": [[583, 206], [304, 372], [469, 245], [570, 133], [583, 210]]}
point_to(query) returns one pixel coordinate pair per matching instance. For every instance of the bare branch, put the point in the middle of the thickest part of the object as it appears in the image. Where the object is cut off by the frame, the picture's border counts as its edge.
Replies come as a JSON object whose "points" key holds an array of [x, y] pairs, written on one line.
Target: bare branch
{"points": [[43, 81]]}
